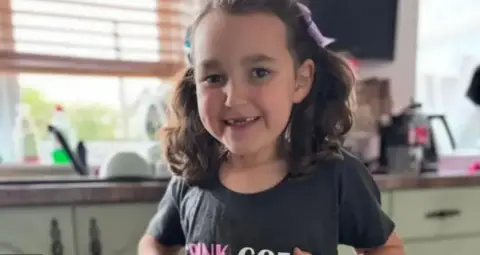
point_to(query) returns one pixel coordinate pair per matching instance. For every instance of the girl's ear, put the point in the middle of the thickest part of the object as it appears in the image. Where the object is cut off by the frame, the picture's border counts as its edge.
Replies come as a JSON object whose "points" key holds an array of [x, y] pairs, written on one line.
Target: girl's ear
{"points": [[305, 75]]}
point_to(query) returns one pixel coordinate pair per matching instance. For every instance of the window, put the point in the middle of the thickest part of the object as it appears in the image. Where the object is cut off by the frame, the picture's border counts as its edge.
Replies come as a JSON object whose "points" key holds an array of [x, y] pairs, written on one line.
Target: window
{"points": [[448, 52], [105, 61], [107, 112]]}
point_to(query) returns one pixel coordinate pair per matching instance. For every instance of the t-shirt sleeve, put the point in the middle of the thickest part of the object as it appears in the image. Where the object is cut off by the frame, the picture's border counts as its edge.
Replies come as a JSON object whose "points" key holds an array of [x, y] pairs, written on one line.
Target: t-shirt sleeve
{"points": [[362, 222], [165, 225]]}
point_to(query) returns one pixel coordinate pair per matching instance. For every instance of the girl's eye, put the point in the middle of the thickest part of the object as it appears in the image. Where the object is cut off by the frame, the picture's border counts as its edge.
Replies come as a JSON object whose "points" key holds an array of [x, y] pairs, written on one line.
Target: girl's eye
{"points": [[260, 73], [214, 79]]}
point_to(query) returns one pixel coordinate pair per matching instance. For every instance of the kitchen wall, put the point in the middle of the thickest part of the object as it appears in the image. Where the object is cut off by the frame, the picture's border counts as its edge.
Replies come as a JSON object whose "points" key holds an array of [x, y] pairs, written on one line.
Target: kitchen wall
{"points": [[401, 71]]}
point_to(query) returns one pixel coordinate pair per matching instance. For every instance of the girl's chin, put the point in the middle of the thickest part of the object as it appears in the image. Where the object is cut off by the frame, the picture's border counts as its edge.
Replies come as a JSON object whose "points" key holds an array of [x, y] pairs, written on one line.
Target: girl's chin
{"points": [[250, 151], [241, 150]]}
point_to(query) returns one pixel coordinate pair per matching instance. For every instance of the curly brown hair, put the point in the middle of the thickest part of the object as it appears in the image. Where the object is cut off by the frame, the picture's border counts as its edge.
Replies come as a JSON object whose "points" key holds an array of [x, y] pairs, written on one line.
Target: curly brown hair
{"points": [[317, 125]]}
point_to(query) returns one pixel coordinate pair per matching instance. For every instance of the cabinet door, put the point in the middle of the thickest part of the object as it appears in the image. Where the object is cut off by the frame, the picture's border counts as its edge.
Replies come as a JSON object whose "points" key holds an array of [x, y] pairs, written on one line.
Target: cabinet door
{"points": [[386, 201], [36, 230], [457, 246], [345, 250], [431, 213], [111, 229]]}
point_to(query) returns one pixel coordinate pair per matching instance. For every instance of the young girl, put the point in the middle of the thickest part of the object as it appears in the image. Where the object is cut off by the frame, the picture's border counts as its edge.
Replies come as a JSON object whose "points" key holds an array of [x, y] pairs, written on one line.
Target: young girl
{"points": [[256, 143]]}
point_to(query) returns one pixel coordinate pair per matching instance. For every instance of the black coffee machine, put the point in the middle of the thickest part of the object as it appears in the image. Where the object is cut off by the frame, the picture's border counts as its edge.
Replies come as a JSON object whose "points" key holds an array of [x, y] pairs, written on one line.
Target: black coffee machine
{"points": [[407, 142], [473, 92]]}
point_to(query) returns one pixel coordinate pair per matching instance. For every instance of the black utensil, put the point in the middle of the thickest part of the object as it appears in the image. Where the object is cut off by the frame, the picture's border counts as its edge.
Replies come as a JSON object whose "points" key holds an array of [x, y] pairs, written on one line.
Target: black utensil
{"points": [[473, 92], [76, 160]]}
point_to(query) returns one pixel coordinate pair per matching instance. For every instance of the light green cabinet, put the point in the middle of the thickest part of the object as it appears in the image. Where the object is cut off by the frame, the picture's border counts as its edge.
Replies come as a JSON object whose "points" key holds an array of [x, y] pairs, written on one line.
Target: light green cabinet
{"points": [[430, 221], [438, 221], [386, 198], [431, 213], [434, 221], [35, 230], [346, 250], [117, 228], [453, 246]]}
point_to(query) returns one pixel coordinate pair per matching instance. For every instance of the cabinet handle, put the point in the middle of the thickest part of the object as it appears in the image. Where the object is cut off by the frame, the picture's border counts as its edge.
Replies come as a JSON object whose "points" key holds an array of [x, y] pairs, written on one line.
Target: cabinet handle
{"points": [[95, 243], [443, 214], [56, 235]]}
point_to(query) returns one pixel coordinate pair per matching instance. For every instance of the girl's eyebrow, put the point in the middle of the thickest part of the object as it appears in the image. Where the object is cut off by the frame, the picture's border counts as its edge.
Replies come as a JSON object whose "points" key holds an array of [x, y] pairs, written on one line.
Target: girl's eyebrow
{"points": [[257, 58], [247, 60], [210, 63]]}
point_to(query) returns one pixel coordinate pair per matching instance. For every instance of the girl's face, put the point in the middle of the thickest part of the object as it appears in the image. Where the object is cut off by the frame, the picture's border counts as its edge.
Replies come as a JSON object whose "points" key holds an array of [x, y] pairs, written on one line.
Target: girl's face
{"points": [[246, 80]]}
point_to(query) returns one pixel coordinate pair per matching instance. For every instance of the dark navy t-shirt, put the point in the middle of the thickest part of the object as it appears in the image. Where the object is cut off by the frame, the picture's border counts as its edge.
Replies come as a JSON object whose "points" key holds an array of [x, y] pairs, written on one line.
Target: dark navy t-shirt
{"points": [[338, 204]]}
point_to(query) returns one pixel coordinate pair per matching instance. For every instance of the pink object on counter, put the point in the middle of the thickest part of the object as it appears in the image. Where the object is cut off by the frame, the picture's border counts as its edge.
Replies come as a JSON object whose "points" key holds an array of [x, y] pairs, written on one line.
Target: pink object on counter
{"points": [[474, 168], [457, 162]]}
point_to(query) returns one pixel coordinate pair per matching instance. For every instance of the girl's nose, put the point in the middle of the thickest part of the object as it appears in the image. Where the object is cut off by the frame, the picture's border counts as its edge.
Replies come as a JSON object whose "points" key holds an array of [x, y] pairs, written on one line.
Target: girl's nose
{"points": [[235, 93]]}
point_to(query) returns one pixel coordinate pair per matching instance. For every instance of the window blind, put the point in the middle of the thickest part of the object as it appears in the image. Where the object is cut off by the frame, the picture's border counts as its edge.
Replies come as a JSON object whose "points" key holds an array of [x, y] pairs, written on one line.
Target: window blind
{"points": [[93, 37]]}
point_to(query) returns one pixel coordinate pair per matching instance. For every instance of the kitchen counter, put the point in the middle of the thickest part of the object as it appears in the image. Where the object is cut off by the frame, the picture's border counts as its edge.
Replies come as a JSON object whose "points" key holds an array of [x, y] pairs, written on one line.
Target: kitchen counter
{"points": [[89, 191]]}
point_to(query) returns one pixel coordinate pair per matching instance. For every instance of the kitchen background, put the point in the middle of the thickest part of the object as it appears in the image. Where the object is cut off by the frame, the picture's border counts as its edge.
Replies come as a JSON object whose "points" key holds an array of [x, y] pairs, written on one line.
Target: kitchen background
{"points": [[434, 61], [109, 65]]}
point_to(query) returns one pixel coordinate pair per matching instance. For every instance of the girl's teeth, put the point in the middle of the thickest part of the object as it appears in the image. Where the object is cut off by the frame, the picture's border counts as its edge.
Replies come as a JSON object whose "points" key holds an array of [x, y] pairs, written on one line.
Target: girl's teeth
{"points": [[240, 122]]}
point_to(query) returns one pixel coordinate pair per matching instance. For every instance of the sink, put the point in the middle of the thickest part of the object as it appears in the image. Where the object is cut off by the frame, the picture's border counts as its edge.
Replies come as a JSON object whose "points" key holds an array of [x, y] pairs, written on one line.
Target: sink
{"points": [[78, 179], [50, 174], [15, 180], [52, 179], [29, 173]]}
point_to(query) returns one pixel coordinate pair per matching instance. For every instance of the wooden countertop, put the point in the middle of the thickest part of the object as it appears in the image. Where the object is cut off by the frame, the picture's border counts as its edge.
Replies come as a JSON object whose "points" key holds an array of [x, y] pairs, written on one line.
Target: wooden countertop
{"points": [[73, 192]]}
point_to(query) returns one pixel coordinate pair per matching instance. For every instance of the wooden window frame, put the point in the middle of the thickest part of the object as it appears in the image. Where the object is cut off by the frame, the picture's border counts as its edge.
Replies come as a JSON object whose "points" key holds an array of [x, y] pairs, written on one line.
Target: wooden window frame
{"points": [[12, 62]]}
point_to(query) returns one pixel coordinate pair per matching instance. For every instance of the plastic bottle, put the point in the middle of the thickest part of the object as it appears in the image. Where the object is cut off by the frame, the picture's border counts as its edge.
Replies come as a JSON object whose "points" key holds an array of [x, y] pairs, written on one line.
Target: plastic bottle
{"points": [[60, 121], [25, 137]]}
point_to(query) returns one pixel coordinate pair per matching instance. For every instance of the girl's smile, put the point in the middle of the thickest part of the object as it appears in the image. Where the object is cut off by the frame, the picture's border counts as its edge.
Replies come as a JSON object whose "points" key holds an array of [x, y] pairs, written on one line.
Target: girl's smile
{"points": [[241, 123], [238, 129]]}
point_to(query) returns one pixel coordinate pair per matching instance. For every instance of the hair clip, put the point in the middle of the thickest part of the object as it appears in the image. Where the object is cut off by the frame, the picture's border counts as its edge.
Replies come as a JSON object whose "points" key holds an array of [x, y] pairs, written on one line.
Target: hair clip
{"points": [[188, 45], [313, 29]]}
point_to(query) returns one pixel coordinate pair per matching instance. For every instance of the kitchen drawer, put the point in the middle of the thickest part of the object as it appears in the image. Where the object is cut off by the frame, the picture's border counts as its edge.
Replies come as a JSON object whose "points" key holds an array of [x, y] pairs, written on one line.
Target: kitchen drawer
{"points": [[463, 246], [34, 230], [436, 212], [117, 227]]}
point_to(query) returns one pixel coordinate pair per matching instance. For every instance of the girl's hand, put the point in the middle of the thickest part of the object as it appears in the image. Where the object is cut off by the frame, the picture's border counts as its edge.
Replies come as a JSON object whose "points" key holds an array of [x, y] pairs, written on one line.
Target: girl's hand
{"points": [[297, 251]]}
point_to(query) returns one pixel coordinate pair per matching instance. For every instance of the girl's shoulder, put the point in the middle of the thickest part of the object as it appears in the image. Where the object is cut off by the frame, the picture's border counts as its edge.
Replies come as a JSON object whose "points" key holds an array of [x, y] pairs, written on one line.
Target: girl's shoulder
{"points": [[348, 171], [350, 161], [180, 188], [177, 188], [354, 177], [347, 163]]}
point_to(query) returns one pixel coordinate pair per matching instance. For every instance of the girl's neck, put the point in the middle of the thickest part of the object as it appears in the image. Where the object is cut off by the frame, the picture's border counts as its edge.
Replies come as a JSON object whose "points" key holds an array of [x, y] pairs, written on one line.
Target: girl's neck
{"points": [[254, 178], [252, 174], [265, 156], [246, 167]]}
